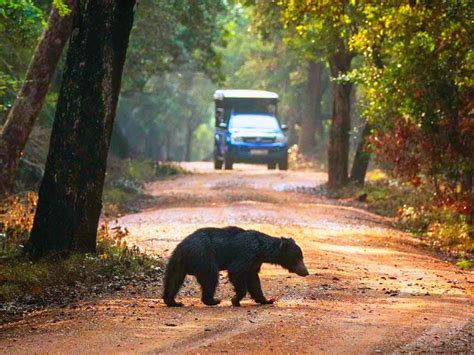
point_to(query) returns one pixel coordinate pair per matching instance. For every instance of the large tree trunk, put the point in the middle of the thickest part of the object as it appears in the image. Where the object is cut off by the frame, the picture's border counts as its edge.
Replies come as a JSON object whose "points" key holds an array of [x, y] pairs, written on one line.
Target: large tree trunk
{"points": [[69, 203], [311, 125], [28, 104], [362, 157], [338, 152]]}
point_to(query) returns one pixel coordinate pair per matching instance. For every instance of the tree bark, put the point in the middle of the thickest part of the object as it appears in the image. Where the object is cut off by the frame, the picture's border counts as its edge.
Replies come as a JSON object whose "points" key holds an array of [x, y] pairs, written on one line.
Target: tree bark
{"points": [[338, 151], [189, 141], [311, 125], [28, 104], [69, 203], [362, 158]]}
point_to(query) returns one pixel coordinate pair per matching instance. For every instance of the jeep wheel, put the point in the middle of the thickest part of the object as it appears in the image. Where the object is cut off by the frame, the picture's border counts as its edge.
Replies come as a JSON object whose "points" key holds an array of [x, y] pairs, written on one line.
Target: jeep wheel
{"points": [[217, 164], [283, 164], [271, 166], [228, 164]]}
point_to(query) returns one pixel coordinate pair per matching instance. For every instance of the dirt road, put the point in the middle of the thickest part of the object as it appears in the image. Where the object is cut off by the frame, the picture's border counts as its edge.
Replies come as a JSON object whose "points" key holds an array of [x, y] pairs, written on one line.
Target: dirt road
{"points": [[370, 289]]}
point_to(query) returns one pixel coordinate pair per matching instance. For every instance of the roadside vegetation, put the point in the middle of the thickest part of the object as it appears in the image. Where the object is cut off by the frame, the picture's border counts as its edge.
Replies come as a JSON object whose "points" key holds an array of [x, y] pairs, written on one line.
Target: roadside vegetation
{"points": [[413, 209], [113, 265], [57, 279], [126, 178]]}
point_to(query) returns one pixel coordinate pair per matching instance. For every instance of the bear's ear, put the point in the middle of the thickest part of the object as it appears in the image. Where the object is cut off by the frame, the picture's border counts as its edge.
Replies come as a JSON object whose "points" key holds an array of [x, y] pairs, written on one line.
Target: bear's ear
{"points": [[284, 243]]}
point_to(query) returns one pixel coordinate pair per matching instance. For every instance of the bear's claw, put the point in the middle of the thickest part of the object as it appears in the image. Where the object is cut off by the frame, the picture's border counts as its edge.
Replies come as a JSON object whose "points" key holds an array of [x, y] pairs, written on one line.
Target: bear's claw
{"points": [[174, 304], [212, 302], [270, 301], [235, 302]]}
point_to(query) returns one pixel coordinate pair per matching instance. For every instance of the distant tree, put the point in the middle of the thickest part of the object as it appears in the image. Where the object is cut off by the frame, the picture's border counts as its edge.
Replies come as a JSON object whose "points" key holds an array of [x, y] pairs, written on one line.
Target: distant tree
{"points": [[311, 123], [171, 33], [257, 57], [29, 101], [362, 157], [268, 19], [168, 39], [324, 29], [69, 203]]}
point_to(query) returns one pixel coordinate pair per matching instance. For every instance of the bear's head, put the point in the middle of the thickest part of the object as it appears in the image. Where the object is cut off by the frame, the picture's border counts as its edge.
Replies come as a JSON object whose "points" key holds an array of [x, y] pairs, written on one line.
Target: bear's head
{"points": [[291, 257]]}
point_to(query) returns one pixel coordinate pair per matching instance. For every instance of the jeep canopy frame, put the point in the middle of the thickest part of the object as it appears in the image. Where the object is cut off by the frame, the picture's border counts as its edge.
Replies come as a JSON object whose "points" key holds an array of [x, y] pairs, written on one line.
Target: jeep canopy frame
{"points": [[231, 102]]}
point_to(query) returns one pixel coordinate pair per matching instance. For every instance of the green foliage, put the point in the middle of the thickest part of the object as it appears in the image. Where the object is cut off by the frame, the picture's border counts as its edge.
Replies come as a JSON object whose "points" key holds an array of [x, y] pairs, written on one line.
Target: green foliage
{"points": [[263, 61], [169, 34], [21, 22], [464, 264], [62, 8], [418, 74], [319, 28]]}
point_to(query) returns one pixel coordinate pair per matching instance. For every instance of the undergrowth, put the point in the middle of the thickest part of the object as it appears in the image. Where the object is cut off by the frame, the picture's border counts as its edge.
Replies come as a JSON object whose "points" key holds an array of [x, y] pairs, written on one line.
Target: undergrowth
{"points": [[414, 211], [309, 161], [19, 277], [126, 178]]}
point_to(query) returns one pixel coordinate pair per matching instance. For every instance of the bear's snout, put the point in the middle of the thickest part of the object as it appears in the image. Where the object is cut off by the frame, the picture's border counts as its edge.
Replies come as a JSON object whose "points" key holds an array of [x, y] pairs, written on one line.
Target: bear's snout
{"points": [[301, 269]]}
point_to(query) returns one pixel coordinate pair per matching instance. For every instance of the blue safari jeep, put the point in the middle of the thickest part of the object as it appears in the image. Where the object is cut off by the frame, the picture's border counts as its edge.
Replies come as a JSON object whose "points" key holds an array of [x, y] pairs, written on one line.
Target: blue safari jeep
{"points": [[247, 129]]}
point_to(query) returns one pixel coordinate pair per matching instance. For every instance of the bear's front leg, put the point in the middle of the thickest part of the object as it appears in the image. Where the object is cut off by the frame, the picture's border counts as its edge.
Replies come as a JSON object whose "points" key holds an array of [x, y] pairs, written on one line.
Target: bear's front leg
{"points": [[239, 280], [208, 282], [255, 289]]}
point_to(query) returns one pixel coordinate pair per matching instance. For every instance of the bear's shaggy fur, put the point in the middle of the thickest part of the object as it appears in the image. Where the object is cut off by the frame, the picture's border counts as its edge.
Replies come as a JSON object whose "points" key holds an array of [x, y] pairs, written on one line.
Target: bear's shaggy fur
{"points": [[209, 250]]}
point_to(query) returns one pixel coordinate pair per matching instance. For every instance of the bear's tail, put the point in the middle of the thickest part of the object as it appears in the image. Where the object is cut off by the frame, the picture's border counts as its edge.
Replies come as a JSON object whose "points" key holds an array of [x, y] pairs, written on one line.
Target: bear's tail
{"points": [[174, 277]]}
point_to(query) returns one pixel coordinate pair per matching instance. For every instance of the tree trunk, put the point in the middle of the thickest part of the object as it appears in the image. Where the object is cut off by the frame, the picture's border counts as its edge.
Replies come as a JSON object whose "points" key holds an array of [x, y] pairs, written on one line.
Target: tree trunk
{"points": [[362, 158], [311, 125], [292, 135], [69, 203], [189, 142], [338, 151], [28, 104]]}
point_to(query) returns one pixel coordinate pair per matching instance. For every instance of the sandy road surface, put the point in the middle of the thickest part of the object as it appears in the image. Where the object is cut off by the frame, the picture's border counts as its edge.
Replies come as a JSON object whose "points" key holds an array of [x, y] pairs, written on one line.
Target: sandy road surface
{"points": [[370, 289]]}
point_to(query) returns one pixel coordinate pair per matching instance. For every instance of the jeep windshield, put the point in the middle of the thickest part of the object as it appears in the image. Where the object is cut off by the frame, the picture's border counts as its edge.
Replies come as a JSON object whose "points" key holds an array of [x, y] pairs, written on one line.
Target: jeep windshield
{"points": [[247, 122]]}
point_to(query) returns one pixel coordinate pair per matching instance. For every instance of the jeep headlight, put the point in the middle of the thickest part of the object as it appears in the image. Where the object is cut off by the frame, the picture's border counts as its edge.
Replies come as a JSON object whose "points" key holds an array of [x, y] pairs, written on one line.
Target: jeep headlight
{"points": [[236, 139], [280, 139]]}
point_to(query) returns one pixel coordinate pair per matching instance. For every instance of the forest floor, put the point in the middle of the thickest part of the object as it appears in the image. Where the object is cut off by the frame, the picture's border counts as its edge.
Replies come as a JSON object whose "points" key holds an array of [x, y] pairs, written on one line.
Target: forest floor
{"points": [[371, 288]]}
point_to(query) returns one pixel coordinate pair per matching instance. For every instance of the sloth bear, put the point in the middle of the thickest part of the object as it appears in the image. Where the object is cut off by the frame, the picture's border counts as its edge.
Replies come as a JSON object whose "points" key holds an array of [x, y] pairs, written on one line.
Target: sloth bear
{"points": [[241, 252]]}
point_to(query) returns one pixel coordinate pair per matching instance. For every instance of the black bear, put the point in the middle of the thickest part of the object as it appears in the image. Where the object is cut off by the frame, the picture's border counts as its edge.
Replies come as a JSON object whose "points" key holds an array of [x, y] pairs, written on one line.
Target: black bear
{"points": [[208, 250]]}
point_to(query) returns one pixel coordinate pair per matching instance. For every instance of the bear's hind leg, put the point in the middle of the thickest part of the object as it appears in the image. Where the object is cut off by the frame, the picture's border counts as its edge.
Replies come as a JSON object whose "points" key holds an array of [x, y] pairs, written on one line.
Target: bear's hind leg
{"points": [[255, 289], [174, 278], [239, 280], [208, 280]]}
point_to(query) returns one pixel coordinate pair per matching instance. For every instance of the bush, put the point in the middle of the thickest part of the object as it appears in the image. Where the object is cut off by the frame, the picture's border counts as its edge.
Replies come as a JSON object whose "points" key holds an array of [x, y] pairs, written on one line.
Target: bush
{"points": [[126, 178], [298, 161], [17, 219], [414, 210], [20, 277]]}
